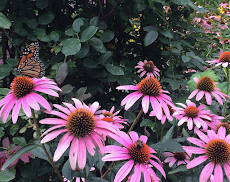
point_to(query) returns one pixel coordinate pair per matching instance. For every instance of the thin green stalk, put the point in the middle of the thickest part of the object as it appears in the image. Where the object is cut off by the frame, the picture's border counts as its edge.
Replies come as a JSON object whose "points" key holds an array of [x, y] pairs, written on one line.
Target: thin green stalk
{"points": [[156, 128], [85, 176], [136, 120], [162, 130], [44, 148], [225, 104], [109, 169]]}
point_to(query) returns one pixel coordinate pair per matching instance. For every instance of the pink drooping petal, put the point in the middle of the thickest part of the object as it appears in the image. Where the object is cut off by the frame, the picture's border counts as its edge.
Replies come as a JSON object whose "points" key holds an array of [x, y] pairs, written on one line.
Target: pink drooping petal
{"points": [[46, 91], [94, 107], [120, 139], [156, 165], [153, 174], [132, 100], [53, 121], [137, 173], [200, 95], [50, 87], [208, 98], [156, 107], [6, 109], [193, 94], [197, 161], [194, 150], [115, 149], [98, 141], [217, 98], [227, 170], [57, 113], [16, 110], [202, 136], [70, 106], [134, 136], [89, 145], [171, 161], [145, 103], [62, 147], [115, 157], [190, 123], [196, 142], [61, 108], [41, 100], [127, 98], [81, 154], [166, 154], [78, 103], [207, 171], [182, 121], [26, 107], [143, 138], [127, 87], [52, 128], [7, 99], [146, 173], [218, 173], [124, 171], [73, 153], [53, 135]]}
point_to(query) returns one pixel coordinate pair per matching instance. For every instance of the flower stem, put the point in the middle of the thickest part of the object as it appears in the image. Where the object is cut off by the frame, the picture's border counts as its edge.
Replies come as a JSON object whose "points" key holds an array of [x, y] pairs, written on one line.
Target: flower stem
{"points": [[225, 104], [136, 120], [109, 169], [162, 129], [44, 148], [84, 173]]}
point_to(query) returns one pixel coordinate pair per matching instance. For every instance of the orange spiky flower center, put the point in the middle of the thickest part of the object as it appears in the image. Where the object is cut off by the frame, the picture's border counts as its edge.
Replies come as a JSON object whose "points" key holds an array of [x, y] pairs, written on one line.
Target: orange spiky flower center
{"points": [[150, 86], [191, 111], [81, 122], [206, 83], [108, 116], [225, 125], [225, 57], [21, 86]]}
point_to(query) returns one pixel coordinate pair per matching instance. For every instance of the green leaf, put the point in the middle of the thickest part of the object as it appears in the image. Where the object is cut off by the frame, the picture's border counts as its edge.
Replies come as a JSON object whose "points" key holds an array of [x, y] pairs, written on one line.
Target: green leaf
{"points": [[88, 33], [7, 175], [32, 23], [42, 4], [94, 21], [97, 45], [186, 43], [4, 91], [46, 18], [146, 122], [169, 134], [62, 72], [70, 32], [71, 46], [3, 4], [180, 168], [54, 36], [166, 34], [114, 70], [169, 145], [67, 171], [90, 63], [5, 23], [185, 58], [13, 129], [21, 31], [19, 141], [97, 179], [17, 154], [107, 36], [5, 70], [83, 51], [39, 152], [66, 89], [39, 31], [77, 24], [150, 37]]}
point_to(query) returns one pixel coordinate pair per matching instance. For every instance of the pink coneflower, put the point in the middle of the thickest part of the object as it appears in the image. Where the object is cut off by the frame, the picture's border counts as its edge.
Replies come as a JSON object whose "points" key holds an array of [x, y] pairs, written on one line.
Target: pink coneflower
{"points": [[192, 114], [112, 118], [164, 116], [205, 86], [151, 90], [224, 59], [81, 127], [226, 125], [138, 154], [23, 93], [6, 154], [147, 67], [173, 157], [223, 25], [224, 4], [213, 148]]}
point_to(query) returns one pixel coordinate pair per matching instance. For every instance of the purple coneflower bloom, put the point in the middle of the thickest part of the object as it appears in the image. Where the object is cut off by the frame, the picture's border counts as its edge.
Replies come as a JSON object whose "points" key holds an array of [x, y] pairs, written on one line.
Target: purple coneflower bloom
{"points": [[138, 154], [6, 154], [213, 148], [173, 157], [147, 67], [192, 114], [151, 90], [23, 93], [223, 60], [205, 87], [81, 127]]}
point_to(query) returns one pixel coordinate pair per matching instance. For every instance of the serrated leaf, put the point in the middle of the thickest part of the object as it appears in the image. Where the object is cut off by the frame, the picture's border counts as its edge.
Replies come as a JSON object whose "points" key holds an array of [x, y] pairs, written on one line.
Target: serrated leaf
{"points": [[115, 70], [18, 153], [150, 37], [88, 33]]}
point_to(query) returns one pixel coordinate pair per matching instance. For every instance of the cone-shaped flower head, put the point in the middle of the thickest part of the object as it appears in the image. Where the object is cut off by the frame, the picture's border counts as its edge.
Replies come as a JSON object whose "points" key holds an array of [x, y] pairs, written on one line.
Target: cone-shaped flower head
{"points": [[173, 157], [23, 93], [147, 67], [213, 148], [150, 89], [224, 125], [138, 154], [192, 114], [223, 60], [83, 131], [205, 88]]}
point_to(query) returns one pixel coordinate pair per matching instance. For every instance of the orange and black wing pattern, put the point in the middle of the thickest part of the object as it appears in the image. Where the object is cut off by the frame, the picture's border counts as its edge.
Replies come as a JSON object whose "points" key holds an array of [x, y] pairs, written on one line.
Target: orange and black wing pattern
{"points": [[30, 64]]}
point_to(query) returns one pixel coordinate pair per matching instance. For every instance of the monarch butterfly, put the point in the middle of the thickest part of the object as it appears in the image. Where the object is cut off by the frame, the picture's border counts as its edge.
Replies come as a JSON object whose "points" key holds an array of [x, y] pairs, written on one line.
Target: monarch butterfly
{"points": [[30, 64]]}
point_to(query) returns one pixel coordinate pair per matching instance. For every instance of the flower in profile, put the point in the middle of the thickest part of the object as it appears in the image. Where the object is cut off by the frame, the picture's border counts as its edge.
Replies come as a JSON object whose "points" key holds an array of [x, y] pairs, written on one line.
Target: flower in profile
{"points": [[6, 154], [223, 60], [164, 115], [192, 114], [83, 131], [23, 94], [213, 148], [138, 154], [147, 67], [112, 118], [173, 157], [151, 90], [205, 87], [226, 125]]}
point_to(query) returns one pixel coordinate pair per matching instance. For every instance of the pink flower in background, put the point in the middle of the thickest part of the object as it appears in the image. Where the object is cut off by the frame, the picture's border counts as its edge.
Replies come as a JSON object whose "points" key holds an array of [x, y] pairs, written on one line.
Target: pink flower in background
{"points": [[138, 154], [147, 67], [205, 86], [213, 148], [173, 157], [150, 89], [6, 154], [112, 118], [81, 127], [224, 59], [23, 94], [192, 114]]}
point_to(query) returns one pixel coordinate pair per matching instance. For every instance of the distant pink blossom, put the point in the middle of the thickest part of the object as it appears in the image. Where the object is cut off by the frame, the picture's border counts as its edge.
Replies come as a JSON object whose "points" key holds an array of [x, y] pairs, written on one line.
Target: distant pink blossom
{"points": [[147, 67], [176, 157]]}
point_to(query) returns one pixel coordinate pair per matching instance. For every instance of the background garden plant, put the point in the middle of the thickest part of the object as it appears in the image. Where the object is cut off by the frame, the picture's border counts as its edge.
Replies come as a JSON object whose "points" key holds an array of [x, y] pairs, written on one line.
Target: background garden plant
{"points": [[96, 52]]}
